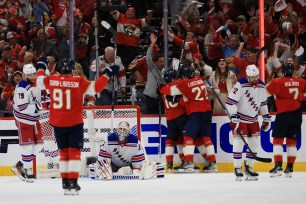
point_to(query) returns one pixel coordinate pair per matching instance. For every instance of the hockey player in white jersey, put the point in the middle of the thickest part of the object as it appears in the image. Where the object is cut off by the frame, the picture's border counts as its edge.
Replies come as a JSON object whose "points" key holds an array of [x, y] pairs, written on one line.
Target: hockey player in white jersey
{"points": [[246, 98], [121, 156], [26, 111]]}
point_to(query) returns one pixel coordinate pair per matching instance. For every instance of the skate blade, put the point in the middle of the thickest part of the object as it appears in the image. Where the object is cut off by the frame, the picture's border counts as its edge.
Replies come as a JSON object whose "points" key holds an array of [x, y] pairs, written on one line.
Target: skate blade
{"points": [[182, 171], [289, 175], [74, 192], [275, 174], [239, 178], [251, 178], [15, 171], [211, 171], [67, 192]]}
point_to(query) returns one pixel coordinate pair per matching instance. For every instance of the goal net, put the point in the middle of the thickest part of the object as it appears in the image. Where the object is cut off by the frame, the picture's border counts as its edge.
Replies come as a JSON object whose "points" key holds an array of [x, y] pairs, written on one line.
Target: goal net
{"points": [[97, 125]]}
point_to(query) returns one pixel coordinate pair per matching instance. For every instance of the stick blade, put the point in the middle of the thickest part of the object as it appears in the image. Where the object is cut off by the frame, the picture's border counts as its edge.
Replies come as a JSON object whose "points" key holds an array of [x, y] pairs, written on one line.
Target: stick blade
{"points": [[264, 160], [105, 24]]}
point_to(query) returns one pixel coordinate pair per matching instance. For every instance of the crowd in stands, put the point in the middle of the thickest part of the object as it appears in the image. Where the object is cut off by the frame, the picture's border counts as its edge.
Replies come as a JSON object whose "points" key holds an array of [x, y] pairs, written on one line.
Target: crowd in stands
{"points": [[222, 39]]}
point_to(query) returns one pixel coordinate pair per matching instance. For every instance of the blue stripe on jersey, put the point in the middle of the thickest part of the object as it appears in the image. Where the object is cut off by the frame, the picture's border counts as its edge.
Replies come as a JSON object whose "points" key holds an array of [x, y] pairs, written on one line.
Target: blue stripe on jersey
{"points": [[25, 116], [230, 101], [247, 118]]}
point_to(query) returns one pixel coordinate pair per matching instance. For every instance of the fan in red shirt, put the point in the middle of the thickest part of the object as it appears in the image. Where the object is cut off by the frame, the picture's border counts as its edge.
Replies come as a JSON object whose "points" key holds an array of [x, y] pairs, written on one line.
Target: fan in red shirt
{"points": [[66, 93], [290, 93], [198, 110]]}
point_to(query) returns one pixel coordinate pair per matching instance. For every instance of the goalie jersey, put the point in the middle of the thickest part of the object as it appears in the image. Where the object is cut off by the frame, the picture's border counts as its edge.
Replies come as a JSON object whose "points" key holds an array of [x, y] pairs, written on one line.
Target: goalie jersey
{"points": [[246, 100], [121, 155], [25, 97]]}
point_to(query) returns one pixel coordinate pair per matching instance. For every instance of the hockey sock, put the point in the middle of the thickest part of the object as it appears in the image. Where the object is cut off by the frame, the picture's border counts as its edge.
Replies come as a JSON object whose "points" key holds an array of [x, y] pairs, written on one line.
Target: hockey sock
{"points": [[253, 144], [179, 148], [237, 151], [74, 162], [64, 163], [291, 150], [199, 144], [188, 149], [169, 150], [278, 149], [26, 156], [210, 149]]}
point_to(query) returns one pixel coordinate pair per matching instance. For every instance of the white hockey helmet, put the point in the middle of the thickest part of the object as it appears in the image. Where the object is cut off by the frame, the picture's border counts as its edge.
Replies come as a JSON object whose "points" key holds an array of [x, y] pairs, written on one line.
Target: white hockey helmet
{"points": [[123, 131], [252, 70], [29, 69]]}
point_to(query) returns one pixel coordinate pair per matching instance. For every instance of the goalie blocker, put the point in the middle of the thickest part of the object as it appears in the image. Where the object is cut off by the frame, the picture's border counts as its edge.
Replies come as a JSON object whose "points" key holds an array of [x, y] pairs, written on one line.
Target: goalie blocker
{"points": [[121, 154]]}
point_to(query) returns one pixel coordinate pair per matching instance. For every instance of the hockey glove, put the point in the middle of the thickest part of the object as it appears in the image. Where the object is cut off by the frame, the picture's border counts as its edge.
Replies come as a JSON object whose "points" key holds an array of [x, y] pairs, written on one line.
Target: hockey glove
{"points": [[159, 87], [38, 106], [111, 70], [266, 124], [234, 122], [173, 99]]}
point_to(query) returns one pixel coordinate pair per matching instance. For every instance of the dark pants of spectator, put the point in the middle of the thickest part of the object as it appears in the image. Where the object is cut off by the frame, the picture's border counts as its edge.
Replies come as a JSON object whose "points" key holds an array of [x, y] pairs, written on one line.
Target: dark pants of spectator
{"points": [[141, 100], [105, 98], [85, 66], [127, 54], [153, 105]]}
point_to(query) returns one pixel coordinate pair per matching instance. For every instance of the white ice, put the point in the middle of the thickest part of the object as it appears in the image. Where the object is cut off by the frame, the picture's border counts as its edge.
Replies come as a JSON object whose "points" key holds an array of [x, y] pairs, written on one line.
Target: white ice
{"points": [[173, 189]]}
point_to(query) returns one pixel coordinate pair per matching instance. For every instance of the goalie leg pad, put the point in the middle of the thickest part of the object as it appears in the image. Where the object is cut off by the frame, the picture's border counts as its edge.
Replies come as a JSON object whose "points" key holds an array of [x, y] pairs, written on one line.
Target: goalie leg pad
{"points": [[103, 169]]}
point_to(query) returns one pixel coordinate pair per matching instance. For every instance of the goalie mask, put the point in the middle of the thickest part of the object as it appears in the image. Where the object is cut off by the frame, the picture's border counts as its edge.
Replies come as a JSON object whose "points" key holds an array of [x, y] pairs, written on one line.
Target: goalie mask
{"points": [[123, 131]]}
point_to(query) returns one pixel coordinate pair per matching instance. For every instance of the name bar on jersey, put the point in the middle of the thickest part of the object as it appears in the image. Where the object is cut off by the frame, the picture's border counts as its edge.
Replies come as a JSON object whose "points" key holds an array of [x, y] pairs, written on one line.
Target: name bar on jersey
{"points": [[70, 84]]}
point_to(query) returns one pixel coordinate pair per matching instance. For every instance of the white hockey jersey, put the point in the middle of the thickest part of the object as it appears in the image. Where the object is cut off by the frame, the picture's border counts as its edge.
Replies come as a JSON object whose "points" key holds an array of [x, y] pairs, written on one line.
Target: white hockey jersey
{"points": [[25, 96], [246, 100], [128, 154]]}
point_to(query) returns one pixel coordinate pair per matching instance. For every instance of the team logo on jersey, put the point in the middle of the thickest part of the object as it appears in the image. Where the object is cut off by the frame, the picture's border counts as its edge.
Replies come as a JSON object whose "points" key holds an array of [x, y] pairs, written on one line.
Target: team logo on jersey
{"points": [[129, 30]]}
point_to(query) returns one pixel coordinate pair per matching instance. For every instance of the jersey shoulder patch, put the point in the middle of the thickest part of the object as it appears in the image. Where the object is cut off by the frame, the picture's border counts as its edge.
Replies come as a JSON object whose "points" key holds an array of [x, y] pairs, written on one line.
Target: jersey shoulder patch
{"points": [[132, 139], [24, 84]]}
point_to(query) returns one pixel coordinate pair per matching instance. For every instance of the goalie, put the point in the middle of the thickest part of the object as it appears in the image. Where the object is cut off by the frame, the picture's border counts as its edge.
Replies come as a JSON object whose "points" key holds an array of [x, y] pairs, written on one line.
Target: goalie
{"points": [[121, 156]]}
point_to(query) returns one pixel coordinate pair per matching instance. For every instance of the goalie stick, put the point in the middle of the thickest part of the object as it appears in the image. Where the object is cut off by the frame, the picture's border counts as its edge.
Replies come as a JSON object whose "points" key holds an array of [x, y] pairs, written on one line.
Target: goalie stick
{"points": [[260, 159], [108, 27]]}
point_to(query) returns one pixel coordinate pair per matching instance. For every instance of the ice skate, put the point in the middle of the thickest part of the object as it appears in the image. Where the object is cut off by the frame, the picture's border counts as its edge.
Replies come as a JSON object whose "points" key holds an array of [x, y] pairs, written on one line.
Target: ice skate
{"points": [[239, 174], [20, 172], [29, 174], [169, 166], [74, 187], [250, 175], [277, 170], [65, 185], [211, 167], [196, 169], [289, 170], [186, 167]]}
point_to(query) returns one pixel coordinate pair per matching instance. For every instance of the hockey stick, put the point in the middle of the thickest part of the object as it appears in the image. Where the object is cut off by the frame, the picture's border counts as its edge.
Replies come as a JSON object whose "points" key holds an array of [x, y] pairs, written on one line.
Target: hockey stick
{"points": [[114, 33], [259, 52], [265, 160], [182, 29]]}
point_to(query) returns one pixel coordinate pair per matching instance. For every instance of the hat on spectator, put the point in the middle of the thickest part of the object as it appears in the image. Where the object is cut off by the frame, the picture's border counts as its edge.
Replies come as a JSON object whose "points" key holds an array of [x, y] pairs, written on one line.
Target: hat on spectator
{"points": [[12, 34], [17, 72], [197, 56], [241, 18], [217, 17], [77, 11], [130, 7], [42, 63], [280, 5]]}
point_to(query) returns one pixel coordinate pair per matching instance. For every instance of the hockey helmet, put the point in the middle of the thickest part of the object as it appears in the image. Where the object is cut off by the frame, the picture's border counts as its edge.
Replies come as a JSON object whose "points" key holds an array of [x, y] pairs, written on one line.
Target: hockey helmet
{"points": [[67, 65], [288, 69], [186, 72], [123, 131], [29, 69], [170, 75], [252, 70]]}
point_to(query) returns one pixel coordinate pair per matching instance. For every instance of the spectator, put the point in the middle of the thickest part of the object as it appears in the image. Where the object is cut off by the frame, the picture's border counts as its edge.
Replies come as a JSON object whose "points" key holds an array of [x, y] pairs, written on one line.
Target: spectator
{"points": [[7, 62], [52, 65], [154, 77], [12, 38], [119, 81], [8, 90], [222, 81], [128, 32]]}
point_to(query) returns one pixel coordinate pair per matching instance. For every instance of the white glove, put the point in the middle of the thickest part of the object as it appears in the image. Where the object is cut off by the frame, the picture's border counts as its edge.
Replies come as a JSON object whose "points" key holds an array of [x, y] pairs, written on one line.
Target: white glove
{"points": [[38, 106]]}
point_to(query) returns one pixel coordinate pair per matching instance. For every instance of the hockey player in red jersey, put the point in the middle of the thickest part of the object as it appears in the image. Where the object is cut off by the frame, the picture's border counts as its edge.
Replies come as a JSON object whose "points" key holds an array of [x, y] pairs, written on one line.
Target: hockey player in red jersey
{"points": [[198, 110], [247, 97], [289, 94], [176, 118], [66, 92]]}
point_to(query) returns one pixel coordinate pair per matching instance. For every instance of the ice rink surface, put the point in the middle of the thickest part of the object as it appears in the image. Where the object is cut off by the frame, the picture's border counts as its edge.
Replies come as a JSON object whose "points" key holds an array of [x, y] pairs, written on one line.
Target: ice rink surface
{"points": [[173, 189]]}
